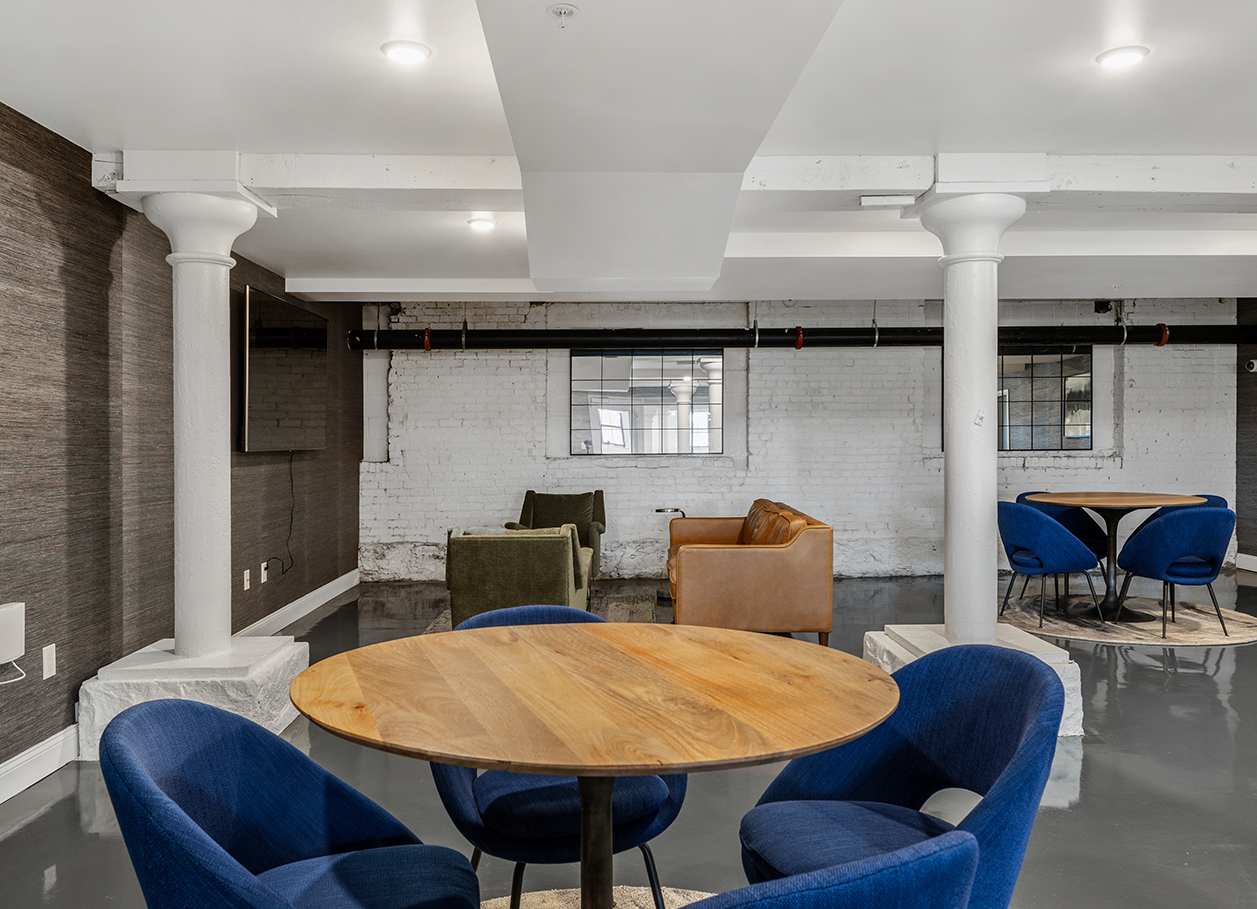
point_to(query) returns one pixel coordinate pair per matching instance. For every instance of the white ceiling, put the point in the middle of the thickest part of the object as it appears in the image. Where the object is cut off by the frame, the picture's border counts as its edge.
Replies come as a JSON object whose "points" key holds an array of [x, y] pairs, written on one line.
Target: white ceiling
{"points": [[709, 150]]}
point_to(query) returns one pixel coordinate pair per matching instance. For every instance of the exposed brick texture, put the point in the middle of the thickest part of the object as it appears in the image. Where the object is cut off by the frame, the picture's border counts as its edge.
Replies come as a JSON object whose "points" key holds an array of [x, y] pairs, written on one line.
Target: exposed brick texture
{"points": [[850, 436]]}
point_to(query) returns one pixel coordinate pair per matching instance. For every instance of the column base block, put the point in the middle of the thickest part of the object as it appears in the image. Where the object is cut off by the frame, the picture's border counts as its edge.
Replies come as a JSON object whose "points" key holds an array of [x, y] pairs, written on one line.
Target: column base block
{"points": [[251, 679], [899, 645]]}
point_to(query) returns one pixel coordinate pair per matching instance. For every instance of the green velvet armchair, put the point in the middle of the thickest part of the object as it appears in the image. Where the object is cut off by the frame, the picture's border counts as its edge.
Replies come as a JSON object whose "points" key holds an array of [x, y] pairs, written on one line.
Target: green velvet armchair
{"points": [[584, 509], [495, 569]]}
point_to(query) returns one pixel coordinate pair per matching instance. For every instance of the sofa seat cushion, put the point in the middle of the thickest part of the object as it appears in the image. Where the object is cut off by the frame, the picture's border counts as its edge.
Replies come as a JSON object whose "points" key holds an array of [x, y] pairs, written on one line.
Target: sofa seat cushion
{"points": [[784, 838], [529, 806], [390, 877]]}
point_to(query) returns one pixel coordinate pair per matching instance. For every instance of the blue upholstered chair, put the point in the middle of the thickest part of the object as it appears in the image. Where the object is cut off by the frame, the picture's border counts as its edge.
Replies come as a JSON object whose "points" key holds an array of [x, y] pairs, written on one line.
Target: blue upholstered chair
{"points": [[1037, 544], [1211, 501], [934, 874], [1186, 546], [525, 817], [974, 717], [1074, 519], [219, 813]]}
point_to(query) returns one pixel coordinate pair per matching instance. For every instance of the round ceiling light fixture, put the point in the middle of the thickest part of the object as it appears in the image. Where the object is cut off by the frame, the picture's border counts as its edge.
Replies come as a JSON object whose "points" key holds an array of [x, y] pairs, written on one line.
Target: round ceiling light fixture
{"points": [[1122, 56], [482, 224], [407, 52]]}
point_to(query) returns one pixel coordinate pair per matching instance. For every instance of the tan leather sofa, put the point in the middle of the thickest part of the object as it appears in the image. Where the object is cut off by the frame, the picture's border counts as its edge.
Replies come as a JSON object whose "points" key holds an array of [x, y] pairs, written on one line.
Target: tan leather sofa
{"points": [[772, 570], [488, 568]]}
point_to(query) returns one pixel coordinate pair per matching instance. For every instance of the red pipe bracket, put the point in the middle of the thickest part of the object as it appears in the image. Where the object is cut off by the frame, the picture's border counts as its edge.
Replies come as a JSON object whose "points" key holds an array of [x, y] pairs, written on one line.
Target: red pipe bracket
{"points": [[1165, 333], [798, 337], [427, 339]]}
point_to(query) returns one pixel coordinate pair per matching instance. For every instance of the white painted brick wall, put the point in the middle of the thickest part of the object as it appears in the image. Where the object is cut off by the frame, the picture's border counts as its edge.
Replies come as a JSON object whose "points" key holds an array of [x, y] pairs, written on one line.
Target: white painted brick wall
{"points": [[847, 435]]}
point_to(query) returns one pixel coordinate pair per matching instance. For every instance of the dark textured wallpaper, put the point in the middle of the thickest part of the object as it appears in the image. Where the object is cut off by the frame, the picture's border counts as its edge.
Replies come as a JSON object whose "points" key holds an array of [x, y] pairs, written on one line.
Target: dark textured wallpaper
{"points": [[86, 474], [1246, 434]]}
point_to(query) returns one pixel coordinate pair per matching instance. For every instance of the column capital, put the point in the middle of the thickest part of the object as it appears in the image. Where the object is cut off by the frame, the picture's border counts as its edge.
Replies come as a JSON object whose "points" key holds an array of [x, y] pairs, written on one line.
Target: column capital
{"points": [[970, 226], [200, 227]]}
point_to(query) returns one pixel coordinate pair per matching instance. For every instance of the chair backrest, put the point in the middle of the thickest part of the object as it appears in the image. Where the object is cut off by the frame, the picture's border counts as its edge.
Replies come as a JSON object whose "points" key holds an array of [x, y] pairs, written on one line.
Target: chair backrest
{"points": [[207, 799], [1072, 517], [528, 615], [1025, 527], [973, 716], [543, 509], [1210, 501], [935, 874], [1203, 532]]}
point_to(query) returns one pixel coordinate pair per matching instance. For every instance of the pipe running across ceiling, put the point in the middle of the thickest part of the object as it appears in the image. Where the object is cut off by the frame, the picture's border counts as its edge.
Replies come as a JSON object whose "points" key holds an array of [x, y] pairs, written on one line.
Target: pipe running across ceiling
{"points": [[798, 337]]}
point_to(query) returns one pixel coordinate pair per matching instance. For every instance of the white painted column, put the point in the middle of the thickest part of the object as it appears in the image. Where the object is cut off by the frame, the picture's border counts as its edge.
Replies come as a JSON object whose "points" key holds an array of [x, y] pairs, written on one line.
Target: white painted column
{"points": [[714, 367], [201, 229], [970, 227], [684, 392]]}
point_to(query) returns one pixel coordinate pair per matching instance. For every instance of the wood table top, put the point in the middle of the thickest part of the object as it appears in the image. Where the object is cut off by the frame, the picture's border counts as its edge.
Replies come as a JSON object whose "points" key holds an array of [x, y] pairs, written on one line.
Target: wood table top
{"points": [[1130, 500], [613, 699]]}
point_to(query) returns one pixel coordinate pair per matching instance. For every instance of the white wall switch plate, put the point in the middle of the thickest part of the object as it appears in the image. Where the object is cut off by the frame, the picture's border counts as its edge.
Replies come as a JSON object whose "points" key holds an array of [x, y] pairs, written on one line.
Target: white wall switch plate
{"points": [[264, 572], [246, 579], [50, 661]]}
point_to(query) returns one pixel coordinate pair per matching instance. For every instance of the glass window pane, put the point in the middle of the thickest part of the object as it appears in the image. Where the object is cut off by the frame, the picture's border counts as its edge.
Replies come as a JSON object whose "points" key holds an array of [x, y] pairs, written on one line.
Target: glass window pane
{"points": [[647, 401]]}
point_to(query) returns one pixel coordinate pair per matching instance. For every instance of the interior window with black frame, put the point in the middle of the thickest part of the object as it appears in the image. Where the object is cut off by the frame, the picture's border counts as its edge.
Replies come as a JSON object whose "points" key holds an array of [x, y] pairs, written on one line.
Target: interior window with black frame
{"points": [[1045, 399], [647, 402]]}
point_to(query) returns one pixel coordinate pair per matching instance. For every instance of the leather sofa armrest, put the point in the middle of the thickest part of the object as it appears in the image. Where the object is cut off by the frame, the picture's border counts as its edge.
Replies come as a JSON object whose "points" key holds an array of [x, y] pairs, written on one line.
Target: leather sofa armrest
{"points": [[683, 531]]}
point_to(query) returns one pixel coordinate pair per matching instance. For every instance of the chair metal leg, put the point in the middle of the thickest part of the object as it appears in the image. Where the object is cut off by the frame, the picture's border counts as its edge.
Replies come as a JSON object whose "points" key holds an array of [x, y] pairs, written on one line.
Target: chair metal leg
{"points": [[1216, 609], [517, 885], [1024, 585], [1056, 590], [1042, 598], [1011, 582], [1173, 617], [1164, 596], [1094, 598], [1121, 597], [1066, 591], [655, 890], [475, 859]]}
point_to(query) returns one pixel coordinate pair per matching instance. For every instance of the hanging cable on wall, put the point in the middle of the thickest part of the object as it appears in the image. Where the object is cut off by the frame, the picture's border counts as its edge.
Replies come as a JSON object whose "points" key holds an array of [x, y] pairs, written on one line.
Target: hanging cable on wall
{"points": [[292, 512]]}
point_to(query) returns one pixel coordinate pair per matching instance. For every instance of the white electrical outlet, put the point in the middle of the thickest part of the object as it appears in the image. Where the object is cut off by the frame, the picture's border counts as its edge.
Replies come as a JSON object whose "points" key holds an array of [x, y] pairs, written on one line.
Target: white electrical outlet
{"points": [[246, 579], [50, 661], [264, 572]]}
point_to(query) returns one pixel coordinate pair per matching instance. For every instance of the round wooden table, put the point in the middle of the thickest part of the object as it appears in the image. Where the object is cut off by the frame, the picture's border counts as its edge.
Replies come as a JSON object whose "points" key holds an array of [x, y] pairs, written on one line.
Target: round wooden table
{"points": [[596, 701], [1113, 506]]}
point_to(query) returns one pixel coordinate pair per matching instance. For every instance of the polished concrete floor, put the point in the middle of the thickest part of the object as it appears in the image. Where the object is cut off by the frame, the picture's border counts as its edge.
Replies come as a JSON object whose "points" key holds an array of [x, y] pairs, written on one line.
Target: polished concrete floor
{"points": [[1156, 807]]}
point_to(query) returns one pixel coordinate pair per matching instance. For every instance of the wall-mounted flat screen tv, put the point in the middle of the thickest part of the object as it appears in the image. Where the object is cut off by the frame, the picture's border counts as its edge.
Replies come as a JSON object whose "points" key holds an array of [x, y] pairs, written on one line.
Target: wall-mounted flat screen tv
{"points": [[285, 376]]}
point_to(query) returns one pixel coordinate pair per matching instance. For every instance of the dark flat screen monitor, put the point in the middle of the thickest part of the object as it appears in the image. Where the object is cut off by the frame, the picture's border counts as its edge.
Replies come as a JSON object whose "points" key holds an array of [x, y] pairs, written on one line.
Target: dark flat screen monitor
{"points": [[285, 376]]}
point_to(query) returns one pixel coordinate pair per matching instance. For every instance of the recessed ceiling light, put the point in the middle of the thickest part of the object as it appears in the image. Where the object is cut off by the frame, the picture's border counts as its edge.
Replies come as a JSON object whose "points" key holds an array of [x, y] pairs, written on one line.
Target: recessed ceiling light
{"points": [[408, 52], [482, 224], [1122, 56]]}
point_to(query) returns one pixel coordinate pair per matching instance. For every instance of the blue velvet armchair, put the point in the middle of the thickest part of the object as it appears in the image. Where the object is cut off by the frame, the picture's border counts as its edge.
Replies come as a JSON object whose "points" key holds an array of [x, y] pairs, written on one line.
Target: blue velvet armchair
{"points": [[524, 817], [973, 717], [219, 813], [1037, 544], [935, 874], [1185, 546]]}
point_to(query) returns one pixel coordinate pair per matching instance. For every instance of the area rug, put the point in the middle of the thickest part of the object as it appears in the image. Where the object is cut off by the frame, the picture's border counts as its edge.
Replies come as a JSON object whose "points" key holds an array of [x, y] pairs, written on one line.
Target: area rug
{"points": [[1195, 625], [614, 607], [625, 898]]}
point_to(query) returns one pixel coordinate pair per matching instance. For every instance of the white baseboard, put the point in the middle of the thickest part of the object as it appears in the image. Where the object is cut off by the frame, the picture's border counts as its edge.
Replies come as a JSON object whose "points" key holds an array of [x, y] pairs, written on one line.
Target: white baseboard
{"points": [[36, 762], [1246, 562], [286, 615]]}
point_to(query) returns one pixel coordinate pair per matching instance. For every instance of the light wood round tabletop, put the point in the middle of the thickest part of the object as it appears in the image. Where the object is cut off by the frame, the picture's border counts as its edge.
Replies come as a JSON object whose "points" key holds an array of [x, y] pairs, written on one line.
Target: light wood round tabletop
{"points": [[1128, 500], [596, 700]]}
